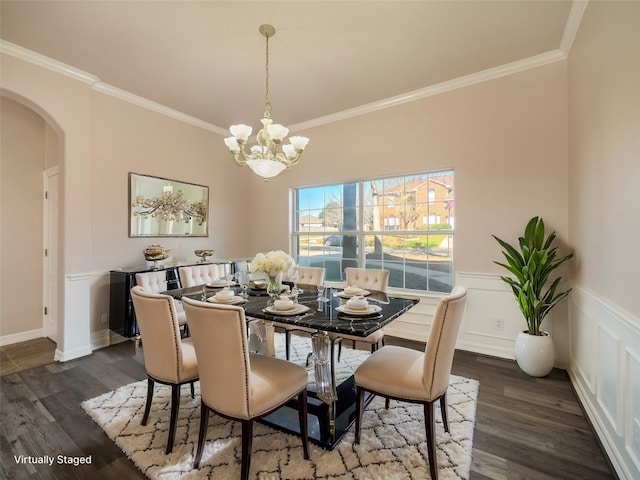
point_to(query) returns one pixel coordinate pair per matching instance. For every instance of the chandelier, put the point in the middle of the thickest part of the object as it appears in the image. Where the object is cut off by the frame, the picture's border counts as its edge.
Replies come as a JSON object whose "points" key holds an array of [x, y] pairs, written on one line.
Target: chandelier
{"points": [[171, 207], [264, 158]]}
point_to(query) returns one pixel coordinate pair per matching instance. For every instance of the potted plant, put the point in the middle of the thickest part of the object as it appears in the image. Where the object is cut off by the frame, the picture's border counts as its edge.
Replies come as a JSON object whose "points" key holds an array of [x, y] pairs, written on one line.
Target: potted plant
{"points": [[531, 264]]}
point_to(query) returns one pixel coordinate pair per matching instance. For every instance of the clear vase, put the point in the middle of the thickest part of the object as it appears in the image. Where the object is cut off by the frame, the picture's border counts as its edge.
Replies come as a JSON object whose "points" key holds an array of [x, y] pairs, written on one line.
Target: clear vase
{"points": [[274, 287]]}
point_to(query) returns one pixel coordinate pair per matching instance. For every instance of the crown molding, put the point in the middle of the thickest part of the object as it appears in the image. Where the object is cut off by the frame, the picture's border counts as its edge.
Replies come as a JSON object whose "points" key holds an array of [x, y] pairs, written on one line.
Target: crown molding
{"points": [[437, 89], [157, 107], [85, 77], [573, 23], [46, 62], [461, 82]]}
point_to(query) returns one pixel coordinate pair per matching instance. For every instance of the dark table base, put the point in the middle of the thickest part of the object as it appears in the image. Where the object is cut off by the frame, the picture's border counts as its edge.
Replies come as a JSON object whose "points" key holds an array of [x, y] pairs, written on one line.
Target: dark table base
{"points": [[286, 418]]}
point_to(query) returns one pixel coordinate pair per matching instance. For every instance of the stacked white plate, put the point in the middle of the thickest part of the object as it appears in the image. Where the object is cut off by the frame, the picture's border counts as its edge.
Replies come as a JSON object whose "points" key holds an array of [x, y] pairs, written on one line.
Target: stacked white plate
{"points": [[357, 312]]}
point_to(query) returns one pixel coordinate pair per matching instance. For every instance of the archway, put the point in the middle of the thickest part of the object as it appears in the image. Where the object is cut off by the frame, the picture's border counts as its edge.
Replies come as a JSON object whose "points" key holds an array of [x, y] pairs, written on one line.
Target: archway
{"points": [[22, 239]]}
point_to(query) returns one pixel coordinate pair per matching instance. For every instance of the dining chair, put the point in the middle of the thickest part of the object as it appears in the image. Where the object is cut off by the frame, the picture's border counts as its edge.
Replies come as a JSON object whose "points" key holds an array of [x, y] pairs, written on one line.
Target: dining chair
{"points": [[312, 276], [236, 384], [156, 282], [424, 377], [195, 275], [367, 279], [168, 359]]}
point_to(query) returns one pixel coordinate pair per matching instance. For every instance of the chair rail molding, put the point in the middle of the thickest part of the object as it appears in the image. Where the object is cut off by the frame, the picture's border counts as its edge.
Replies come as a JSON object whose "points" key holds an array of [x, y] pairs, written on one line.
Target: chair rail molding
{"points": [[491, 320], [604, 368]]}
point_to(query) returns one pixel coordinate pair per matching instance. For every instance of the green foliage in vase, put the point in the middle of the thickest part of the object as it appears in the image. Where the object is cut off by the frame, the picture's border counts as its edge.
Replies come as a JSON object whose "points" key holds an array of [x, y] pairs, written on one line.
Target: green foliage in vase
{"points": [[531, 264]]}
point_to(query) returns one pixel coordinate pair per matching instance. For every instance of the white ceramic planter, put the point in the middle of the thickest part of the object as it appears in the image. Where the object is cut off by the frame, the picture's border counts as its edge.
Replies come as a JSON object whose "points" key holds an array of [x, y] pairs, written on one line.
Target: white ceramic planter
{"points": [[535, 354]]}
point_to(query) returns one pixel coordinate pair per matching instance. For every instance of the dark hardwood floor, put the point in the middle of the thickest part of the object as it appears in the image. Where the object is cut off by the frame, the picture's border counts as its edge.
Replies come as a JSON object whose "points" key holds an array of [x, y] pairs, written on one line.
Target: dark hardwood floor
{"points": [[526, 428]]}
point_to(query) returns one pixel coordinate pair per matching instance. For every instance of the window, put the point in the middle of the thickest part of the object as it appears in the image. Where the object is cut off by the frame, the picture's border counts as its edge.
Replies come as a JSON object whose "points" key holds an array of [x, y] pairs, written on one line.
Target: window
{"points": [[401, 224]]}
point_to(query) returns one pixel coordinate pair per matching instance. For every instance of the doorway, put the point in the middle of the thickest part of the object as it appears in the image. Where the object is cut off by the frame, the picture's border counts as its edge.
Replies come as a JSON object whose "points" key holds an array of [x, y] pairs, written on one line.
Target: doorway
{"points": [[50, 257]]}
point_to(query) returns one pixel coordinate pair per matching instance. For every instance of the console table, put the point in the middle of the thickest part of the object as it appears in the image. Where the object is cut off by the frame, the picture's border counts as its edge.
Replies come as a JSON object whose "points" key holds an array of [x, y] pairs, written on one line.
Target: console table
{"points": [[122, 317]]}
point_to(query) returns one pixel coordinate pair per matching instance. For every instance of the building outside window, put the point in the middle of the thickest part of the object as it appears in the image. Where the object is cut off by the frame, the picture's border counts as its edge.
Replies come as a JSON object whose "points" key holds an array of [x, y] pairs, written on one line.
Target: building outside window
{"points": [[402, 224]]}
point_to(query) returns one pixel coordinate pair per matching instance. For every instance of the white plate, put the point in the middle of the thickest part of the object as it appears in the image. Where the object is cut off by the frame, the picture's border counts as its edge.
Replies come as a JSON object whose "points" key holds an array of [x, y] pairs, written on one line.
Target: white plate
{"points": [[296, 310], [232, 301], [371, 309], [220, 283], [362, 292]]}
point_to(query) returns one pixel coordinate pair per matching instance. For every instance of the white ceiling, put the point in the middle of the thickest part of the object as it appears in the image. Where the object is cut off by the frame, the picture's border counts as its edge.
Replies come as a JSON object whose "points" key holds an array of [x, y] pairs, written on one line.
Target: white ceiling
{"points": [[206, 58]]}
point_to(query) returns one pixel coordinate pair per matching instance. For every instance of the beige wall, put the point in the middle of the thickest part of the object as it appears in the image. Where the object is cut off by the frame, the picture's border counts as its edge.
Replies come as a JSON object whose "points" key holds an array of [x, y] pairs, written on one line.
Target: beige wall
{"points": [[128, 138], [505, 138], [604, 141], [21, 208]]}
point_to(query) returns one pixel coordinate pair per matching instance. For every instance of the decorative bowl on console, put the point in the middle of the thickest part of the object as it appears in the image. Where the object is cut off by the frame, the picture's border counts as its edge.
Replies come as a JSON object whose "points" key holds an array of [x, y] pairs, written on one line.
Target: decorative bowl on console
{"points": [[154, 253], [203, 254]]}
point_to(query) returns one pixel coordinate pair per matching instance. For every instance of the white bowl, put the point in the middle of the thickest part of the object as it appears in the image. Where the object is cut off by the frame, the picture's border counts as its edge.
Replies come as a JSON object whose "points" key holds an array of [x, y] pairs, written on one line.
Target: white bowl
{"points": [[283, 304], [225, 294], [357, 303], [352, 290]]}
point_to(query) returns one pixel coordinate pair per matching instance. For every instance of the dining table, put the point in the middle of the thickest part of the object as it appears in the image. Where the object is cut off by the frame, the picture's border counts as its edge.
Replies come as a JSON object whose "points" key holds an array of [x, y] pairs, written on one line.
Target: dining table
{"points": [[325, 317]]}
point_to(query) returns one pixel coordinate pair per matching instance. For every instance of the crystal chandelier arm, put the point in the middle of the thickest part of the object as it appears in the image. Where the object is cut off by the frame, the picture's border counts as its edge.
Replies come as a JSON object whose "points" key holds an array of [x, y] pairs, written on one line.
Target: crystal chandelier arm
{"points": [[287, 160]]}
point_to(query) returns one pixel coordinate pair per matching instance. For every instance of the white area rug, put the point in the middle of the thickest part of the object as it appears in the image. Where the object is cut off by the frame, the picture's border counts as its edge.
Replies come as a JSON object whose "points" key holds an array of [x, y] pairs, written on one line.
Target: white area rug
{"points": [[393, 442]]}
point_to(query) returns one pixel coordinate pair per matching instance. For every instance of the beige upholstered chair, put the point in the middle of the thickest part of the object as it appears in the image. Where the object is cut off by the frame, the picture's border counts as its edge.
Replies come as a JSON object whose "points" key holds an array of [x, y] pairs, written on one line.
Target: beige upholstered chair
{"points": [[369, 279], [312, 276], [202, 274], [425, 375], [167, 359], [236, 384], [309, 276], [156, 282]]}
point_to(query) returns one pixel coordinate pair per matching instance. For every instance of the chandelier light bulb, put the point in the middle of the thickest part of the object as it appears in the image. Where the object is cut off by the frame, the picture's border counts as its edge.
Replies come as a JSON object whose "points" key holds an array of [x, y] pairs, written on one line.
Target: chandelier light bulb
{"points": [[232, 144], [289, 150], [299, 143], [277, 132], [241, 132]]}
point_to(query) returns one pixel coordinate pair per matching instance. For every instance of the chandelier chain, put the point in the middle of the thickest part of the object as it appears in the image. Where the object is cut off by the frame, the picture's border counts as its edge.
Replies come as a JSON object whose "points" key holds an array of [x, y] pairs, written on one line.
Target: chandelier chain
{"points": [[267, 102]]}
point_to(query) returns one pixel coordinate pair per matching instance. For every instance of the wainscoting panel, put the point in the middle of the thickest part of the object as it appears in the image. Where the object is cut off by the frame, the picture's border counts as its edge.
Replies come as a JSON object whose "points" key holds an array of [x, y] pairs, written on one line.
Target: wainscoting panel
{"points": [[608, 371], [416, 323], [632, 404], [604, 366], [582, 339], [75, 340], [491, 320]]}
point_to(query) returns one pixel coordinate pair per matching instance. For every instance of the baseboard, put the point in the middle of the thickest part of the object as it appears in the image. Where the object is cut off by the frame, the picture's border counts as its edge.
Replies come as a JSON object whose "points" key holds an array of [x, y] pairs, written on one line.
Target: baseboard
{"points": [[486, 349], [65, 356], [100, 339], [21, 337]]}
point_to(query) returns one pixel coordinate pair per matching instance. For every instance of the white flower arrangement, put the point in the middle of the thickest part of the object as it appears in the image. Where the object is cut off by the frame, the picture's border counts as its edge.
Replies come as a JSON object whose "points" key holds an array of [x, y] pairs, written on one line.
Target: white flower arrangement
{"points": [[272, 263]]}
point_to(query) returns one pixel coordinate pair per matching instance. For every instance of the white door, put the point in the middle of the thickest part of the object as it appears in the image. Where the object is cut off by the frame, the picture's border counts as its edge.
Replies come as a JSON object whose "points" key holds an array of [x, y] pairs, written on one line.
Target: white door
{"points": [[50, 254]]}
